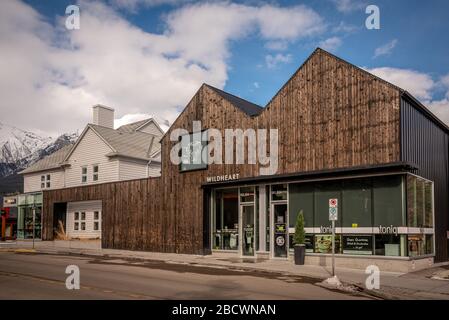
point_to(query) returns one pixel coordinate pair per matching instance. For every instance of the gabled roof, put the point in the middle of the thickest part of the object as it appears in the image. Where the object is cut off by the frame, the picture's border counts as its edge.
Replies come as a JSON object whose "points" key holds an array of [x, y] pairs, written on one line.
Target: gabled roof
{"points": [[131, 127], [52, 161], [134, 144], [249, 108]]}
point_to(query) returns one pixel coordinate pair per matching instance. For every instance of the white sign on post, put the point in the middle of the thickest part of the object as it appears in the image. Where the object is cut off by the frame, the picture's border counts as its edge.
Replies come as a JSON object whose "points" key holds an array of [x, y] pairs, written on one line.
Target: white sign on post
{"points": [[333, 209]]}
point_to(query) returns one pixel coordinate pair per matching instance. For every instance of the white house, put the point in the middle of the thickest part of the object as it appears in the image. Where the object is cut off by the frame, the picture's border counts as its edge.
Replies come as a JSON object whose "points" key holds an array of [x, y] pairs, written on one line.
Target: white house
{"points": [[101, 154]]}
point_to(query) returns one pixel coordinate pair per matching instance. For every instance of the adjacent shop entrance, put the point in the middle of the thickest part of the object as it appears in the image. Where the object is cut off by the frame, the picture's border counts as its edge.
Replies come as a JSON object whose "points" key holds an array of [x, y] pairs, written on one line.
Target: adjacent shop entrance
{"points": [[280, 230], [247, 229]]}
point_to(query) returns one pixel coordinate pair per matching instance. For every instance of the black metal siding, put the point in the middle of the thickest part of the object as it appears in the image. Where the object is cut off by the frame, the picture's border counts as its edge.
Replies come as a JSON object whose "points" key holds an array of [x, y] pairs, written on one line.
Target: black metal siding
{"points": [[426, 143]]}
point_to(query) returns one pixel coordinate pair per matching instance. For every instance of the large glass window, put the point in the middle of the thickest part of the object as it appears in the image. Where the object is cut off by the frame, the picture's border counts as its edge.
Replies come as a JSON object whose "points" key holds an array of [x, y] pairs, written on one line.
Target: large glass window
{"points": [[225, 233], [324, 192], [384, 204], [301, 199], [389, 245], [358, 244], [356, 203], [419, 202], [279, 192], [388, 201]]}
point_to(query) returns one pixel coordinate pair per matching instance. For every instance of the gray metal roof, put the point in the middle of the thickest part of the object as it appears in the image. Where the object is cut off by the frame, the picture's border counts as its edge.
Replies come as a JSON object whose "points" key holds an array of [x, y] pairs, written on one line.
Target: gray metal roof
{"points": [[135, 144], [131, 127], [249, 108], [52, 161]]}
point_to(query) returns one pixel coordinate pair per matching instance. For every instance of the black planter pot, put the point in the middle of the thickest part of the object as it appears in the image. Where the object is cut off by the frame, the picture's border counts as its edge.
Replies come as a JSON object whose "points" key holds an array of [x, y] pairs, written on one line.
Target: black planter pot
{"points": [[300, 254]]}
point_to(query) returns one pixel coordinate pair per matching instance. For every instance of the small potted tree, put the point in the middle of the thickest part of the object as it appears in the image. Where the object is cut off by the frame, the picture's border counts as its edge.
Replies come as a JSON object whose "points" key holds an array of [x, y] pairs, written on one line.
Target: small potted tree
{"points": [[300, 239]]}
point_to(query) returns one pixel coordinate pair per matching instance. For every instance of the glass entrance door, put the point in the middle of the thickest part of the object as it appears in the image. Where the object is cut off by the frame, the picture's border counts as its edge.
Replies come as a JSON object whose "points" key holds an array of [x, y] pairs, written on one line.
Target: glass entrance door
{"points": [[247, 230], [280, 230]]}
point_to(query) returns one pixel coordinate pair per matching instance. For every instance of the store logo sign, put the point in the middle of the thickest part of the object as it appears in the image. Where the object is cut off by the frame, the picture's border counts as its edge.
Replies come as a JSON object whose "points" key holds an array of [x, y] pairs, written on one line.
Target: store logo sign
{"points": [[225, 177], [388, 230], [325, 229]]}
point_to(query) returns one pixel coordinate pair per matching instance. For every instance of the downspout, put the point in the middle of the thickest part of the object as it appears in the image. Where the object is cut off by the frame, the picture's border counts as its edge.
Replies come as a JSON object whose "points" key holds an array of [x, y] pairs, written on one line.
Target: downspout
{"points": [[149, 154]]}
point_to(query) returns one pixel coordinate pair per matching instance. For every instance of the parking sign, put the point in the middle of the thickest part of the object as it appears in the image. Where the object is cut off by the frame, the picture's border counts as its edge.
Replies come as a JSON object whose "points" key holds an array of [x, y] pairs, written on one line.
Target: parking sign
{"points": [[333, 209]]}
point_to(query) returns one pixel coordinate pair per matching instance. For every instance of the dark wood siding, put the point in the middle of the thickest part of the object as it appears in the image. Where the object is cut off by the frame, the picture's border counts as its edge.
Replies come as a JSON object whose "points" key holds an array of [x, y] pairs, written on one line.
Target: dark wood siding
{"points": [[426, 144], [330, 115]]}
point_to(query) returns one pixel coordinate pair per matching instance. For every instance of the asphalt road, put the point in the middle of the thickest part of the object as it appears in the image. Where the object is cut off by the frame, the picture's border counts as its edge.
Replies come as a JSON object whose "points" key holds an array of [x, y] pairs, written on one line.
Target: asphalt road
{"points": [[41, 276]]}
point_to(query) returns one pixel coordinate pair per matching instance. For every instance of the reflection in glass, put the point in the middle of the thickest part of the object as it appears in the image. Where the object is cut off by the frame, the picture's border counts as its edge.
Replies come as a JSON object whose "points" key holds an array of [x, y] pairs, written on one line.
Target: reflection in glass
{"points": [[225, 233]]}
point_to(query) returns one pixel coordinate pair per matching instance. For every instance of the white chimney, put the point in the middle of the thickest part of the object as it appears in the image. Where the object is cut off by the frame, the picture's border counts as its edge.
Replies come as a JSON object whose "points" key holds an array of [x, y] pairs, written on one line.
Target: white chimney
{"points": [[103, 116]]}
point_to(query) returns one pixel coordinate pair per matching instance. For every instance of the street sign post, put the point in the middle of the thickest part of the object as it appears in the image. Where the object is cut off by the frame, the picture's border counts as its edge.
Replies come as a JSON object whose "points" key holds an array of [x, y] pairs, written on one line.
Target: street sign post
{"points": [[333, 216]]}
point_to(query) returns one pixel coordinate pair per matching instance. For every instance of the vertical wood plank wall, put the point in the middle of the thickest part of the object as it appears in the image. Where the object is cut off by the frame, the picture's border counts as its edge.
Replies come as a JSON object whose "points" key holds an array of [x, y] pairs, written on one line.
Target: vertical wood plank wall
{"points": [[330, 114]]}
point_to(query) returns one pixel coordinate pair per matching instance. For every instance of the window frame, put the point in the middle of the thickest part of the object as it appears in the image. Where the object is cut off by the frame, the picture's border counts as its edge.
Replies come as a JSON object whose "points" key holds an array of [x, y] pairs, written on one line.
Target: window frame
{"points": [[95, 174], [83, 175]]}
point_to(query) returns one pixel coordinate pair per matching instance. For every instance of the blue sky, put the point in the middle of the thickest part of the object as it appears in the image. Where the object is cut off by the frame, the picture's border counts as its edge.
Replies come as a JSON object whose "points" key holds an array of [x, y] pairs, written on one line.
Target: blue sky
{"points": [[148, 57]]}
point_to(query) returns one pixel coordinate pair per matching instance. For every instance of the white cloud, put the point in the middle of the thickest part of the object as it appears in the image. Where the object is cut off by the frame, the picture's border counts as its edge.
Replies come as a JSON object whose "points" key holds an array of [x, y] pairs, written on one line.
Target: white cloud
{"points": [[386, 48], [440, 108], [421, 86], [273, 61], [256, 85], [51, 76], [347, 6], [276, 45], [343, 27], [417, 83], [133, 5], [331, 44]]}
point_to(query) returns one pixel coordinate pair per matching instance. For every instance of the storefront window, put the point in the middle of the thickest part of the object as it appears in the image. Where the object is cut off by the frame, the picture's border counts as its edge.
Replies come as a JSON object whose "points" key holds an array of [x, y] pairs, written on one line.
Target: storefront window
{"points": [[357, 203], [25, 225], [387, 201], [301, 199], [428, 204], [324, 192], [389, 245], [225, 233], [358, 244], [415, 201], [279, 192], [416, 245], [323, 243], [247, 194]]}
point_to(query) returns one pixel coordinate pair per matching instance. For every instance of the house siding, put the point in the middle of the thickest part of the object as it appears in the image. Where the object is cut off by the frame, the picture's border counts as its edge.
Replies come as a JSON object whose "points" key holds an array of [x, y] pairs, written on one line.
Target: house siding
{"points": [[129, 170], [32, 181], [90, 151]]}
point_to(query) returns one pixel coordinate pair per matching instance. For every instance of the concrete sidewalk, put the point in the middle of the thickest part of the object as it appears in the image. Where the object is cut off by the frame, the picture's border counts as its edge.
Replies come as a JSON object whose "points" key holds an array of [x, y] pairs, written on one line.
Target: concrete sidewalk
{"points": [[416, 285]]}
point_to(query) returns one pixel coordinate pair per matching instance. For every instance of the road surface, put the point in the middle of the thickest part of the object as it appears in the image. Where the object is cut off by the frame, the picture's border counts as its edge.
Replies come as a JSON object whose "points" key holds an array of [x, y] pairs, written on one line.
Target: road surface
{"points": [[42, 276]]}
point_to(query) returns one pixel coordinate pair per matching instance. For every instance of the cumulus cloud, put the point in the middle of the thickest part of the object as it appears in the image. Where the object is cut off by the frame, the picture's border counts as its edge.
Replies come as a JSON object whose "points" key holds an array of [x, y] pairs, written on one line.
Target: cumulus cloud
{"points": [[52, 76], [274, 61], [133, 5], [417, 83], [331, 44], [347, 6], [421, 86], [386, 48]]}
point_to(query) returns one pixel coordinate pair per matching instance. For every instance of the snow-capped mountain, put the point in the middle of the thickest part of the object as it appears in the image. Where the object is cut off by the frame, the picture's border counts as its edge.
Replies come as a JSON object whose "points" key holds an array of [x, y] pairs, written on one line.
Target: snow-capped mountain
{"points": [[20, 148]]}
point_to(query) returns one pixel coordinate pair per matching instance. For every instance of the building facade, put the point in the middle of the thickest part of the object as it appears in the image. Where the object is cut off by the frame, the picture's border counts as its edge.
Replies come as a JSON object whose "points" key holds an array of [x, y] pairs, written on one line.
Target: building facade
{"points": [[344, 134], [101, 154]]}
